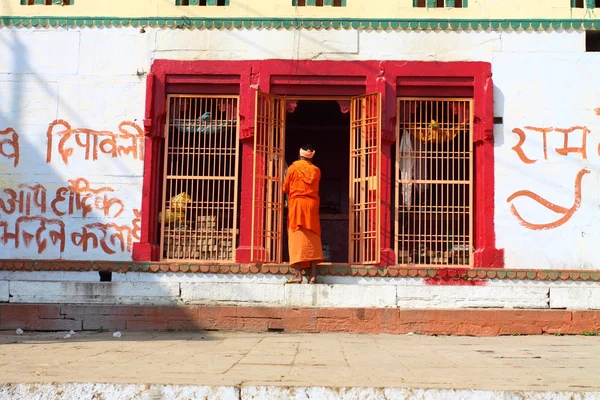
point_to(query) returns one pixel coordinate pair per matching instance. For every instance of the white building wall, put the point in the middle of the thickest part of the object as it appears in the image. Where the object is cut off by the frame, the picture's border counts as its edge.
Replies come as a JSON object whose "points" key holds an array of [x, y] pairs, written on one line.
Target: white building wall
{"points": [[93, 79]]}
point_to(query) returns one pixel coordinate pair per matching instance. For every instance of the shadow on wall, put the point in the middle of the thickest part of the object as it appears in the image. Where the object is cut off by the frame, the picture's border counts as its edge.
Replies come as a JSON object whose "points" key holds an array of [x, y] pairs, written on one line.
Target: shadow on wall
{"points": [[498, 113], [66, 192]]}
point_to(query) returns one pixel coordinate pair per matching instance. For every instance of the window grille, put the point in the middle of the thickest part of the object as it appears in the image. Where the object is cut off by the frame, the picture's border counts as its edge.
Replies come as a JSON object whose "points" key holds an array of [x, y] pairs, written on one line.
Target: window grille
{"points": [[440, 3], [319, 3], [201, 2], [200, 196], [365, 175], [585, 3], [434, 182], [47, 2], [267, 191]]}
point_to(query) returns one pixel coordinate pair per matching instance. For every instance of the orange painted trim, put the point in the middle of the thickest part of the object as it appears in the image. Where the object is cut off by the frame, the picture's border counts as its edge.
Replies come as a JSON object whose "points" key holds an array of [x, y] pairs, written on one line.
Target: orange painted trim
{"points": [[445, 274]]}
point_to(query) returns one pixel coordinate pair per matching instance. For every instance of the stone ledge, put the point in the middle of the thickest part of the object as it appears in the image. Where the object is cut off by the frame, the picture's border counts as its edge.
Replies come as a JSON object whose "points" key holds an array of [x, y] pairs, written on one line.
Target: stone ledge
{"points": [[93, 292], [452, 297], [262, 294], [489, 322], [575, 298], [123, 391], [4, 293], [435, 276]]}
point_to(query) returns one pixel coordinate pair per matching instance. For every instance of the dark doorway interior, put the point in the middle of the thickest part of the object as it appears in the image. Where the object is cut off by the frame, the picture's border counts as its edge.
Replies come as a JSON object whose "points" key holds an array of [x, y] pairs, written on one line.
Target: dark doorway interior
{"points": [[323, 124]]}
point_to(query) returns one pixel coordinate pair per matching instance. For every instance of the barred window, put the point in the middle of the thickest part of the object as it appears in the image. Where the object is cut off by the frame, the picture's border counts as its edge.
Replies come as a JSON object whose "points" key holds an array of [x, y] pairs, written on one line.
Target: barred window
{"points": [[319, 3], [440, 3], [434, 182], [585, 3], [199, 216], [47, 2], [201, 2]]}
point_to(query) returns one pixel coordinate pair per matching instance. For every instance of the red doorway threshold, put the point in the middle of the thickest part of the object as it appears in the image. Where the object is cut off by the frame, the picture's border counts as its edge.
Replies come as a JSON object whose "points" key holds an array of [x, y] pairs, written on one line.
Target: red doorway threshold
{"points": [[475, 322]]}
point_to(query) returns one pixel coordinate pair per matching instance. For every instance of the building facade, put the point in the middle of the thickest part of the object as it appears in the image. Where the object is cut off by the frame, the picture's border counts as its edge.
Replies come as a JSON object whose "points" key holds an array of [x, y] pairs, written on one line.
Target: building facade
{"points": [[454, 134], [466, 82]]}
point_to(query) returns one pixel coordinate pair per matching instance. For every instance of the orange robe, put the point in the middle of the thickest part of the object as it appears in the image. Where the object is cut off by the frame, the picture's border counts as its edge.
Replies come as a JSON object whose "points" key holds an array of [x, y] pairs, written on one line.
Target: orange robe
{"points": [[304, 227]]}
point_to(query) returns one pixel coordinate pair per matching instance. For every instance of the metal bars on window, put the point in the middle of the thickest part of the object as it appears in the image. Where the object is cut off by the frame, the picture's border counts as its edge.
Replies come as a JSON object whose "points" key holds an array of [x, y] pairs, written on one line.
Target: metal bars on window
{"points": [[365, 171], [319, 3], [201, 2], [434, 182], [267, 195], [440, 3], [200, 194], [47, 2]]}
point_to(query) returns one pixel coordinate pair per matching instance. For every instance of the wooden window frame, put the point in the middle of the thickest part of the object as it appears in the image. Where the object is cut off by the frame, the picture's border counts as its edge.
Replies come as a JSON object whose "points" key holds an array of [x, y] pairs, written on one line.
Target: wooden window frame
{"points": [[426, 234], [324, 78], [204, 172]]}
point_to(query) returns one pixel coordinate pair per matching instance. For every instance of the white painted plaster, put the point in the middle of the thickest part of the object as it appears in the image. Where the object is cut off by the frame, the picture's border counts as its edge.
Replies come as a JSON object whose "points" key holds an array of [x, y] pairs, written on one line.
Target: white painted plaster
{"points": [[584, 298], [256, 44], [543, 41], [429, 46], [39, 51], [111, 391], [3, 291], [544, 94], [321, 295], [448, 297], [240, 293], [94, 293], [70, 276], [94, 78], [340, 296]]}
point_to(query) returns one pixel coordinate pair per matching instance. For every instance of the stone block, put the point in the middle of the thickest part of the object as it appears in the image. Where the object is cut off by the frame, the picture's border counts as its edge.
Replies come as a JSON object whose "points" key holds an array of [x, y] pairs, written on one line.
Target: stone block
{"points": [[40, 51], [429, 45], [4, 292], [232, 293], [543, 41], [94, 293], [69, 391], [448, 297], [105, 102], [131, 56], [255, 44], [366, 296], [584, 298], [31, 111]]}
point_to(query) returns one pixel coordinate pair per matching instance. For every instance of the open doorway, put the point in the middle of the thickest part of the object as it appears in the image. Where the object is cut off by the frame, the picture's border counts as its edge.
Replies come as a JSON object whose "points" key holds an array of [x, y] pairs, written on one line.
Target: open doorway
{"points": [[326, 125]]}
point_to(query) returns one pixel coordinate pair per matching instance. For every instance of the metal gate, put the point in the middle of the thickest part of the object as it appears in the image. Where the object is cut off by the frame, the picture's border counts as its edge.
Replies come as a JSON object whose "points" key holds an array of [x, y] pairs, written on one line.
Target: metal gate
{"points": [[267, 194], [199, 211], [365, 171], [434, 182]]}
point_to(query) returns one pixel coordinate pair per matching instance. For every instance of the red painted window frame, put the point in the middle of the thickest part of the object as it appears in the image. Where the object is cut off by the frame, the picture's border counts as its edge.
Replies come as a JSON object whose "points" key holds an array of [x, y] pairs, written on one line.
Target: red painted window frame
{"points": [[293, 77]]}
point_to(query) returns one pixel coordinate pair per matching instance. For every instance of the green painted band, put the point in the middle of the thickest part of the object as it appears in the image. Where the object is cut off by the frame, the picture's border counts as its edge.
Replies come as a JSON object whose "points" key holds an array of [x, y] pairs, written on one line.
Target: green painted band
{"points": [[307, 23]]}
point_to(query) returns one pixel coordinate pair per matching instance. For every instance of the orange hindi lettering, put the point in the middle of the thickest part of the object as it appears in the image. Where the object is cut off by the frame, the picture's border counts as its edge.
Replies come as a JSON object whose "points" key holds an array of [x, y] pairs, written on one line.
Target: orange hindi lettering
{"points": [[567, 212], [517, 148], [12, 141]]}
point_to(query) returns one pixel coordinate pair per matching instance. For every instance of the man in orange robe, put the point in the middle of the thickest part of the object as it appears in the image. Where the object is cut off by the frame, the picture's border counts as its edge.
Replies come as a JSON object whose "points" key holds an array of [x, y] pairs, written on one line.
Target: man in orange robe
{"points": [[304, 227]]}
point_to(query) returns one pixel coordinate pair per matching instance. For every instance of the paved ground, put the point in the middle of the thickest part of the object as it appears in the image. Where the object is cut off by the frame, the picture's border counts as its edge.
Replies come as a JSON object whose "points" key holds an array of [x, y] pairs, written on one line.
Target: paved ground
{"points": [[518, 363]]}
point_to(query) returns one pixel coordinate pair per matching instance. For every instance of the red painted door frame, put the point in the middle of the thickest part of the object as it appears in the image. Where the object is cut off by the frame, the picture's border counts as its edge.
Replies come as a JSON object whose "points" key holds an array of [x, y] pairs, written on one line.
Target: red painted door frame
{"points": [[323, 78]]}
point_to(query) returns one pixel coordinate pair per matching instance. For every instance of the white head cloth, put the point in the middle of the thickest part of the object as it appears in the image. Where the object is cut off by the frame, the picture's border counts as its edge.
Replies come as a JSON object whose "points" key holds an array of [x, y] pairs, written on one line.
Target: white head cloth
{"points": [[307, 153]]}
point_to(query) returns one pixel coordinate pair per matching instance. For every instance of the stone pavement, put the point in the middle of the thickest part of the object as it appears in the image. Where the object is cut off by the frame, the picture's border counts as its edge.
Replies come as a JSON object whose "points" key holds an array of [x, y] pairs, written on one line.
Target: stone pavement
{"points": [[273, 365]]}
